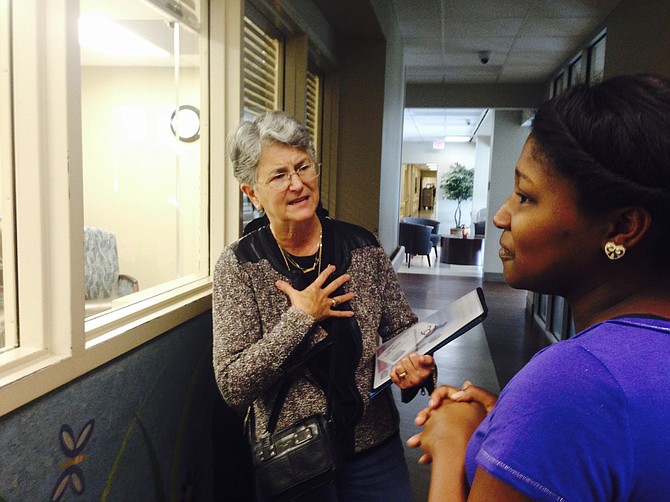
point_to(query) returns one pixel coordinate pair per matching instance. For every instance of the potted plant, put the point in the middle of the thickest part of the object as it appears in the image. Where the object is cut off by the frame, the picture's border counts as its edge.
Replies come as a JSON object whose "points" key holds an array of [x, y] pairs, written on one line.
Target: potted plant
{"points": [[457, 185]]}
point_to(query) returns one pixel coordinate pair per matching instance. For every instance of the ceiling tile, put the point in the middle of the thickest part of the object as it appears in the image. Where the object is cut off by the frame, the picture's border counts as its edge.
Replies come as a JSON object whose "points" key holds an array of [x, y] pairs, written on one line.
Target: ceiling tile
{"points": [[556, 45], [529, 40], [557, 26], [486, 9], [597, 9], [507, 27]]}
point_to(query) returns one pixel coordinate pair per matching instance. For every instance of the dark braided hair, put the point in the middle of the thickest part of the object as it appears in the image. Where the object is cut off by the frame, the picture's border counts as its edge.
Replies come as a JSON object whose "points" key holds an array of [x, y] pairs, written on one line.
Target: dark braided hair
{"points": [[612, 142]]}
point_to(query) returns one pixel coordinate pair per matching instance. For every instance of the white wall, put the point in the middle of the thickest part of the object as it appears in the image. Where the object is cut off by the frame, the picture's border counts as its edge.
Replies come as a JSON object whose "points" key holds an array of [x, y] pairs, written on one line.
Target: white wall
{"points": [[508, 139], [394, 99], [480, 191], [415, 152]]}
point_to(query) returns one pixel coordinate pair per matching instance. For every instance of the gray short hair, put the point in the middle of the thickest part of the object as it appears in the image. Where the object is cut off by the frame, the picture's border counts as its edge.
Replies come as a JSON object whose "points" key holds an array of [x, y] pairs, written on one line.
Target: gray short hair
{"points": [[246, 142]]}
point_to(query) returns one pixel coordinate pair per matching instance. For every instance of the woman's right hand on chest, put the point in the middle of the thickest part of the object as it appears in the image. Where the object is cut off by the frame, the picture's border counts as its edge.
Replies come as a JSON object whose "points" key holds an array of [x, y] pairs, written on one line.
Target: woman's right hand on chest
{"points": [[318, 300]]}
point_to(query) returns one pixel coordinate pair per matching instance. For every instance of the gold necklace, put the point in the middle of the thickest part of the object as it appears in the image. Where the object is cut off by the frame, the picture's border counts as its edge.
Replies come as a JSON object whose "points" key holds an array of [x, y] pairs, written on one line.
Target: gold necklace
{"points": [[315, 265]]}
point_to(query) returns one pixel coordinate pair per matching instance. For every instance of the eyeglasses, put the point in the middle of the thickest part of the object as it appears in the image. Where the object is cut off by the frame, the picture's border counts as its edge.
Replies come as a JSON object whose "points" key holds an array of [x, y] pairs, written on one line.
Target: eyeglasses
{"points": [[306, 173]]}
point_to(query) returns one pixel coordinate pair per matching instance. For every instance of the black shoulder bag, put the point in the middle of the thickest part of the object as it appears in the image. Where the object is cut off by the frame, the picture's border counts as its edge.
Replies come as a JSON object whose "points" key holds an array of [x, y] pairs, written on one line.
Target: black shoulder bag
{"points": [[297, 459]]}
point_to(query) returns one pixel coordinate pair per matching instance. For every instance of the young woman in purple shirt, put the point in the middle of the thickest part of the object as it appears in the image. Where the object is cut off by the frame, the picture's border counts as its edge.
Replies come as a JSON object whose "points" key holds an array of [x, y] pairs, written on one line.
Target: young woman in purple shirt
{"points": [[588, 417]]}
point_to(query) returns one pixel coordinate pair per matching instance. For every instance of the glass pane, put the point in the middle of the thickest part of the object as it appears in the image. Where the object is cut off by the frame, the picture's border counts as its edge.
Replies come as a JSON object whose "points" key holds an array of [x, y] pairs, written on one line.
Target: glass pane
{"points": [[571, 328], [597, 60], [542, 303], [559, 84], [8, 334], [557, 307], [143, 182], [577, 72]]}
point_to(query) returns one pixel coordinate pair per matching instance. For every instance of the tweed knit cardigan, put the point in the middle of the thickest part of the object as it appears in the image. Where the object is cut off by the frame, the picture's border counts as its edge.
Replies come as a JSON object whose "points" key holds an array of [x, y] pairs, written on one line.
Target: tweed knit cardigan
{"points": [[256, 329]]}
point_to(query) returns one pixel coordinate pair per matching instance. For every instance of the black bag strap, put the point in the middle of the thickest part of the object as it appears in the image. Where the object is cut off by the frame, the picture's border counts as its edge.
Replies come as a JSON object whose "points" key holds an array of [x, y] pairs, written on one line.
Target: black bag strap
{"points": [[283, 392]]}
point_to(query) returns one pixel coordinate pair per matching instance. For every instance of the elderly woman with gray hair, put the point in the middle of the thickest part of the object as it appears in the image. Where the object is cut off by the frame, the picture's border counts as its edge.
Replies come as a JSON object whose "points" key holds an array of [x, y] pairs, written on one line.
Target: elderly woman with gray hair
{"points": [[305, 300]]}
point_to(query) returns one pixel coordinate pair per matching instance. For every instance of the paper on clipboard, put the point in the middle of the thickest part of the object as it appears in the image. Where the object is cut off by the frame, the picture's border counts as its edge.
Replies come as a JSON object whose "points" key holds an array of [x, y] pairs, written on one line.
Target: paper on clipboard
{"points": [[427, 336]]}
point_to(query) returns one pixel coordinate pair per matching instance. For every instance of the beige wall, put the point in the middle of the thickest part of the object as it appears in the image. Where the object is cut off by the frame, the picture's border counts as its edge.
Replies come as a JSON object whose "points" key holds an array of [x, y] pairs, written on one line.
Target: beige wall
{"points": [[638, 38], [474, 95], [131, 169], [361, 109]]}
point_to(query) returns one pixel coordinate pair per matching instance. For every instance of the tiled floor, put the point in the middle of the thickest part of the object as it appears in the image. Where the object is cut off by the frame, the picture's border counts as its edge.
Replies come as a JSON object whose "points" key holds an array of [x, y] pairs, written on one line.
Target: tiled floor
{"points": [[509, 335], [467, 357], [420, 266]]}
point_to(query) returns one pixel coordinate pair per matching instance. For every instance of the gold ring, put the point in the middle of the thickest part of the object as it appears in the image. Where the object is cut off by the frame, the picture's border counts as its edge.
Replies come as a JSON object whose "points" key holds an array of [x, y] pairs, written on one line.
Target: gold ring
{"points": [[333, 303], [402, 375]]}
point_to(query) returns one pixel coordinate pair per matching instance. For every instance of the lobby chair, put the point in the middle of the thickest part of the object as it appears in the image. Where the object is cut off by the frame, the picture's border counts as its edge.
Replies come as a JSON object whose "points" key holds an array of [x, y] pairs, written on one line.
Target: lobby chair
{"points": [[480, 222], [435, 229], [416, 240], [103, 281]]}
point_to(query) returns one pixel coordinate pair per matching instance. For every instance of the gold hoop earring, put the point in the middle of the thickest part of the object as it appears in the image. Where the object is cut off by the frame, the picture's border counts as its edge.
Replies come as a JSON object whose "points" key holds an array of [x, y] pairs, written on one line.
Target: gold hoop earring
{"points": [[614, 251]]}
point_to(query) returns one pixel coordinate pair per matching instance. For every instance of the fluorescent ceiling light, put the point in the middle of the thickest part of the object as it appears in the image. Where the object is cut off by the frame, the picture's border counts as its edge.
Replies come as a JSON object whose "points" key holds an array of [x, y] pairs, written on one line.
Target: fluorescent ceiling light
{"points": [[101, 35], [457, 139]]}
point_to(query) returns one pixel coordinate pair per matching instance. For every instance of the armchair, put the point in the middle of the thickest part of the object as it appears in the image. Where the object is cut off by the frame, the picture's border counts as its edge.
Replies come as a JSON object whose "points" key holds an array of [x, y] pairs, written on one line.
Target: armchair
{"points": [[480, 222], [101, 271], [435, 229], [416, 240]]}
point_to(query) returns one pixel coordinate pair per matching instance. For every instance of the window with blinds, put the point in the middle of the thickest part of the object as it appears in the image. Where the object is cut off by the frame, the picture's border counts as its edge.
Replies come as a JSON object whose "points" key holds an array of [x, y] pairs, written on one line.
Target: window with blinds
{"points": [[313, 108], [260, 70], [597, 60], [261, 86]]}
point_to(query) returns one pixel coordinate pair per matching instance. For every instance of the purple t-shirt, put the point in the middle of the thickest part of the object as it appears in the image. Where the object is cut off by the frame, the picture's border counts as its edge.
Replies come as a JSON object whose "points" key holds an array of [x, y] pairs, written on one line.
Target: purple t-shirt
{"points": [[586, 419]]}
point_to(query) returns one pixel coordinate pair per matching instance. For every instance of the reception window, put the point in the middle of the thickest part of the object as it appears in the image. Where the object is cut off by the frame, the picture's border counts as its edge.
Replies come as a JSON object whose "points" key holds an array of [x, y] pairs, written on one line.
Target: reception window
{"points": [[144, 181], [8, 332], [104, 183]]}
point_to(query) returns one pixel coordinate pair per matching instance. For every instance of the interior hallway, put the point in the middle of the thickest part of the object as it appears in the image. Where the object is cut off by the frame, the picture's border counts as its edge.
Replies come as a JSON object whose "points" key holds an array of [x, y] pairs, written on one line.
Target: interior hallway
{"points": [[488, 355]]}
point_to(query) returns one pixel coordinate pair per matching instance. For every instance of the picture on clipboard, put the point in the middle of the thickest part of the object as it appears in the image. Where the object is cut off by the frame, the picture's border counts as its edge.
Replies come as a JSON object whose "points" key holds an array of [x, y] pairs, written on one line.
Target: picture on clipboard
{"points": [[427, 336]]}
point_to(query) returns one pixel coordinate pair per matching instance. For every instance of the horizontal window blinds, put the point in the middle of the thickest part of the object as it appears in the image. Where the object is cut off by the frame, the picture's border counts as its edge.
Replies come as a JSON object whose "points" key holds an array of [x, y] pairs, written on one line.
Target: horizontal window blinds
{"points": [[313, 108], [261, 69]]}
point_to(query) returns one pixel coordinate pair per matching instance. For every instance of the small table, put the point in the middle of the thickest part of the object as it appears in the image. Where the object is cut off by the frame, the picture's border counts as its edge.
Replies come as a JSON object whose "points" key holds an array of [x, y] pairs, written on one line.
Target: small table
{"points": [[456, 250]]}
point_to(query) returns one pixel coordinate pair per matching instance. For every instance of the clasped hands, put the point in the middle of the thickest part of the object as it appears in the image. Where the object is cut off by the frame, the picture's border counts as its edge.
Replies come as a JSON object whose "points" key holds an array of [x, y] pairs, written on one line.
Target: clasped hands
{"points": [[451, 417]]}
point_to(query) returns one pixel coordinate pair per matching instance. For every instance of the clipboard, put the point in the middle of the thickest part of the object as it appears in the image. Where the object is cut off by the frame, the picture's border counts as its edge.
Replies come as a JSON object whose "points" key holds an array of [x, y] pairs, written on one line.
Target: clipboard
{"points": [[428, 336]]}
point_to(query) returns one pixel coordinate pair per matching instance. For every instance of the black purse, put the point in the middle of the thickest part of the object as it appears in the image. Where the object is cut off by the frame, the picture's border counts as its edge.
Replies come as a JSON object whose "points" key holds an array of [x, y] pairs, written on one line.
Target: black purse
{"points": [[297, 459]]}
